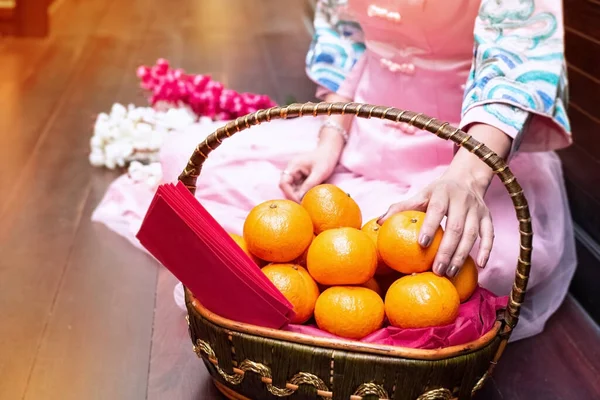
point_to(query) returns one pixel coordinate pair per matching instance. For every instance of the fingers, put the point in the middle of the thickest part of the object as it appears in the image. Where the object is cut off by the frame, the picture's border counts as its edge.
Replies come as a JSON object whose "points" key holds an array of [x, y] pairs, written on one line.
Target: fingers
{"points": [[304, 173], [455, 225], [437, 209], [286, 186], [467, 219], [316, 177], [289, 181], [486, 232], [467, 240], [417, 203]]}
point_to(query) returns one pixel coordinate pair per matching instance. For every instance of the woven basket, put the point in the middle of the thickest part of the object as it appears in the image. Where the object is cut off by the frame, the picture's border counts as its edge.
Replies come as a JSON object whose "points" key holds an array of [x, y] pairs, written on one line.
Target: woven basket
{"points": [[251, 362]]}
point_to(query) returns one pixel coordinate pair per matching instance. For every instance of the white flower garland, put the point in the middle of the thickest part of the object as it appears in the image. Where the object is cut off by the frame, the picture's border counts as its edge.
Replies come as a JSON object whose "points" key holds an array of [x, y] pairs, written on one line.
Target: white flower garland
{"points": [[132, 133], [148, 174]]}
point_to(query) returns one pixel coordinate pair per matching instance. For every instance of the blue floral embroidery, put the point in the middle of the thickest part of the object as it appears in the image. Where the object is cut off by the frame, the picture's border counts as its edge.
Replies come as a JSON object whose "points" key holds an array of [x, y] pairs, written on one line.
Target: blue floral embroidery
{"points": [[335, 48], [530, 76]]}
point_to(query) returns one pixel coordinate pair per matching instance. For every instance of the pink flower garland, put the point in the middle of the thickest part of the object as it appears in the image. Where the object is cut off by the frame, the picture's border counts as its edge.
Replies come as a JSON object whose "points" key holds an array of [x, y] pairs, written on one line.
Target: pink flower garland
{"points": [[206, 97]]}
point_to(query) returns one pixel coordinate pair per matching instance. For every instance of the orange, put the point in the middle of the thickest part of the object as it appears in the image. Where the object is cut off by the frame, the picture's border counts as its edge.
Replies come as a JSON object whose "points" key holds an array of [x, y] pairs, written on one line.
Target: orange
{"points": [[398, 243], [342, 256], [242, 243], [373, 285], [350, 312], [294, 282], [302, 259], [370, 284], [330, 207], [278, 230], [466, 280], [421, 301], [371, 228]]}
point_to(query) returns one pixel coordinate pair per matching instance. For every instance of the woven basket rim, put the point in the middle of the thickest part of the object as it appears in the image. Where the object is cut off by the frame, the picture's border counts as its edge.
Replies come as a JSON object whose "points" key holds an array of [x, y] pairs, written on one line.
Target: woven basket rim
{"points": [[342, 344]]}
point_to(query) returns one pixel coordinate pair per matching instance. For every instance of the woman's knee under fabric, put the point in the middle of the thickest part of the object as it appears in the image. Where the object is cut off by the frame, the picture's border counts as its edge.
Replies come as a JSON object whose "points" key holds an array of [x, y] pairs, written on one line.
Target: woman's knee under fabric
{"points": [[540, 178]]}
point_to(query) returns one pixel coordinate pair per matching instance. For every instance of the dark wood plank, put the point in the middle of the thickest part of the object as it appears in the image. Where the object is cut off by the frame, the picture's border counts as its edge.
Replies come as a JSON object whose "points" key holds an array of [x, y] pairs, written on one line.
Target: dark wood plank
{"points": [[34, 92], [52, 288], [255, 64], [490, 391], [560, 364], [96, 344], [43, 206], [7, 26], [286, 39], [581, 180], [236, 56], [128, 276], [583, 286], [582, 52], [7, 19], [582, 16], [37, 74], [175, 371], [7, 12], [582, 205], [584, 91], [585, 131], [77, 19], [32, 18], [582, 47], [580, 167], [286, 63]]}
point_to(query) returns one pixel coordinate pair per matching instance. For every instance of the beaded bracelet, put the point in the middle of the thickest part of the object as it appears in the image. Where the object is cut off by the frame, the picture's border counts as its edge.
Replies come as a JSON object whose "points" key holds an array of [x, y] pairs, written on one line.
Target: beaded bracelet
{"points": [[337, 127]]}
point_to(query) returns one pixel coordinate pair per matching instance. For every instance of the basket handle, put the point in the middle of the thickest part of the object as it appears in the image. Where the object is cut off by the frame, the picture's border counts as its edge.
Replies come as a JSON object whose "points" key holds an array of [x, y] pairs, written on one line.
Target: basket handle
{"points": [[442, 129]]}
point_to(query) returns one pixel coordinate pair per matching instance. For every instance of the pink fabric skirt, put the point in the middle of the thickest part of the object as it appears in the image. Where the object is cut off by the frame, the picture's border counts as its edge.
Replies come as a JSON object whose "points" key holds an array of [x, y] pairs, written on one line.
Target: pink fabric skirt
{"points": [[380, 166]]}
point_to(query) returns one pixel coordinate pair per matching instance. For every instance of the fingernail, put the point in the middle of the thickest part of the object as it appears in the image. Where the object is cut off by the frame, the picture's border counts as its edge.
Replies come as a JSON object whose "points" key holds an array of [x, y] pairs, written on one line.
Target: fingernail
{"points": [[452, 271], [482, 261], [424, 240], [380, 217], [440, 269]]}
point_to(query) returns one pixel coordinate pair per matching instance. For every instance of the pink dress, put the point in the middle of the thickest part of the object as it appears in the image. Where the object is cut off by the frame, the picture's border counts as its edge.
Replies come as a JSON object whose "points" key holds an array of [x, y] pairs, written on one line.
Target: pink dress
{"points": [[415, 55]]}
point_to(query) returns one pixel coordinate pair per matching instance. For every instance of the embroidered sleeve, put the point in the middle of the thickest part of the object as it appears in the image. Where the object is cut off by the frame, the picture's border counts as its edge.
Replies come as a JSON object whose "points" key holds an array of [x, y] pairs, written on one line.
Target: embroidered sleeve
{"points": [[336, 47], [518, 79]]}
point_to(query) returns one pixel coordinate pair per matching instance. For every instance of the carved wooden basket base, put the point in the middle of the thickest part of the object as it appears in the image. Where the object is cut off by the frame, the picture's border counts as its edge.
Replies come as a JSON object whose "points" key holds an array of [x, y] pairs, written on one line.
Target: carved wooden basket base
{"points": [[259, 363]]}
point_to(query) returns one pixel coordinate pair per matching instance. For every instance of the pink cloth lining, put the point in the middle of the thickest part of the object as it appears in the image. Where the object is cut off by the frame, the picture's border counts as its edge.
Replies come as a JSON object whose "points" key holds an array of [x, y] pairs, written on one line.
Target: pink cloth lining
{"points": [[477, 316]]}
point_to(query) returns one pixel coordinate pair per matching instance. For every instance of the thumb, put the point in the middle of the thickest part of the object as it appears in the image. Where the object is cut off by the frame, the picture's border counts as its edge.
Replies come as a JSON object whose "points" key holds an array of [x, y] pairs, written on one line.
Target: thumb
{"points": [[415, 203], [316, 177]]}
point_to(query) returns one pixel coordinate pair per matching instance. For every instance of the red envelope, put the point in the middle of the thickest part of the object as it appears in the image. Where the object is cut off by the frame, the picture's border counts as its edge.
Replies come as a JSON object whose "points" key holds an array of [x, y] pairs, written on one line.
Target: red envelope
{"points": [[207, 261], [214, 233], [232, 255]]}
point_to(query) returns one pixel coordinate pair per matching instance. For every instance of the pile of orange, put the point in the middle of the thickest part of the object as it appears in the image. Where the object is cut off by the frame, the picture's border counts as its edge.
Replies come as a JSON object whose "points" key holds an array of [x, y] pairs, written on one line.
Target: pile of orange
{"points": [[347, 275]]}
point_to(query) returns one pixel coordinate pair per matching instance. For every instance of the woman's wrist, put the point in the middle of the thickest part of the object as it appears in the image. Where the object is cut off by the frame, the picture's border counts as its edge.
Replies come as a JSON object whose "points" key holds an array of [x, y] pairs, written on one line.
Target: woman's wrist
{"points": [[331, 141], [467, 166], [334, 130], [471, 171]]}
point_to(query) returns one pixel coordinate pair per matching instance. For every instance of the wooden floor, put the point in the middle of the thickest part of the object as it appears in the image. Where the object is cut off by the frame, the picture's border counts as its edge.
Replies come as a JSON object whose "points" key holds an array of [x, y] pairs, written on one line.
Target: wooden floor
{"points": [[85, 315]]}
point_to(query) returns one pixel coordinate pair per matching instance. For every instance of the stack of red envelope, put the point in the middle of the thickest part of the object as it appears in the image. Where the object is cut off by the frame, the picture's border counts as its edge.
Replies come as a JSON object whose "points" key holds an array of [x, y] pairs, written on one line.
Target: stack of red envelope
{"points": [[188, 241]]}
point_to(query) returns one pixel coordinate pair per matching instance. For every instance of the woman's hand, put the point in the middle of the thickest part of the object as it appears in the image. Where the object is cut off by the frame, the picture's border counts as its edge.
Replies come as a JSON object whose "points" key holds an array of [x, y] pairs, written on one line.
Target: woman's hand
{"points": [[308, 170], [458, 195], [468, 218]]}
